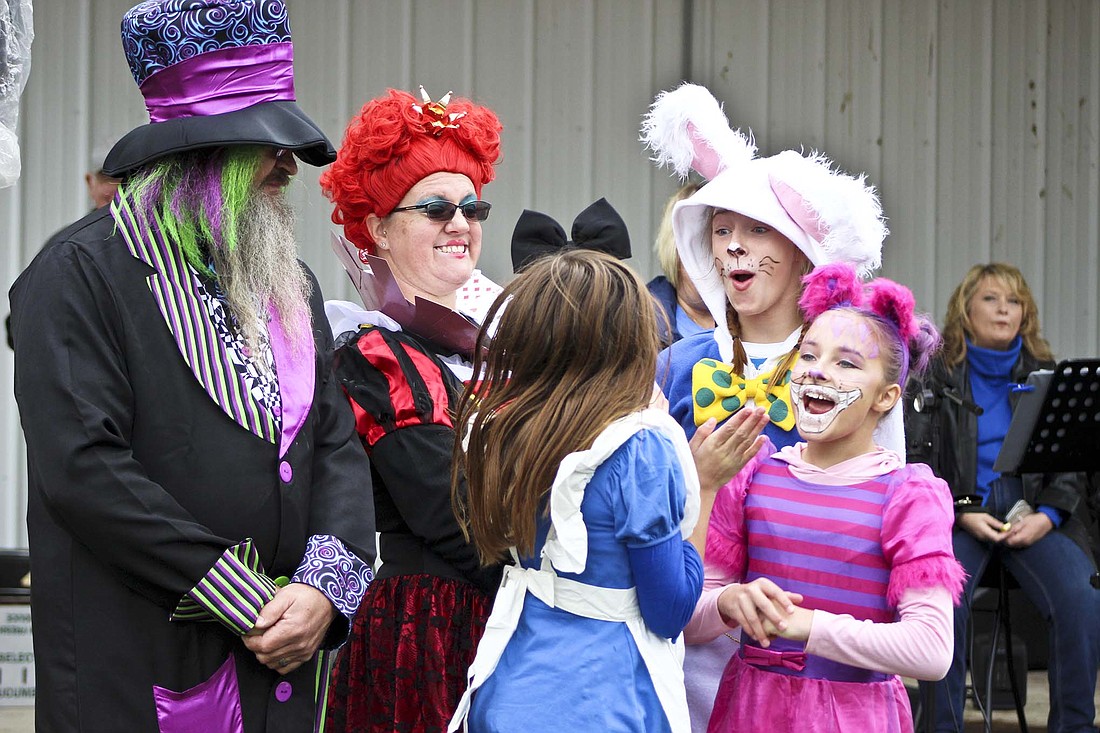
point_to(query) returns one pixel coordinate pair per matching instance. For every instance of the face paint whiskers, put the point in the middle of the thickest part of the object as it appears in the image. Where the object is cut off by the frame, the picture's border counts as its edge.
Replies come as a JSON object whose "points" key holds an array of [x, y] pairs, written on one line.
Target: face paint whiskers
{"points": [[766, 265]]}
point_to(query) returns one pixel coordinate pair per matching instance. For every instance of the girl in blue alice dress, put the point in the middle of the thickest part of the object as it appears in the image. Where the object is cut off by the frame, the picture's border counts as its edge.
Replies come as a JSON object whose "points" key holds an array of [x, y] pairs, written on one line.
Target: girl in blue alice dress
{"points": [[590, 492]]}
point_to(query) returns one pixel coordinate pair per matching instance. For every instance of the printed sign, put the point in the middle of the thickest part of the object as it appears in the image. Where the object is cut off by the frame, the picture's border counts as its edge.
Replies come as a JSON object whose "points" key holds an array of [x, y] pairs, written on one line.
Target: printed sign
{"points": [[16, 656]]}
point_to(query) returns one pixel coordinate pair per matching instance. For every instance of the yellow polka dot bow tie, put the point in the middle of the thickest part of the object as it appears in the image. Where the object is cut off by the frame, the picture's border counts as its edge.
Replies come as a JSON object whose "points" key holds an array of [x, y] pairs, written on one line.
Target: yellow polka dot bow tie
{"points": [[717, 392]]}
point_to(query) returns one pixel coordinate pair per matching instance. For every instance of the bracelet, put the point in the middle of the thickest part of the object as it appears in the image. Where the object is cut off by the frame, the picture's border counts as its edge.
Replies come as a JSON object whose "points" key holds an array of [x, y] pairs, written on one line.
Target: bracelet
{"points": [[969, 504], [968, 501]]}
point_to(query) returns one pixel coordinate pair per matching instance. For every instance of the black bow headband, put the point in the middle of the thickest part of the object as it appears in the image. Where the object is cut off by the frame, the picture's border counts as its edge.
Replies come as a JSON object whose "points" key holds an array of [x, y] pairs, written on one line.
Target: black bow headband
{"points": [[598, 227]]}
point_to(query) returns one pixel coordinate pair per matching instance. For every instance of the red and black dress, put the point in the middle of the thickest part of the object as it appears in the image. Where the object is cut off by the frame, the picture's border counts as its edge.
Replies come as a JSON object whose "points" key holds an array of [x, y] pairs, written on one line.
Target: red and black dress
{"points": [[404, 665]]}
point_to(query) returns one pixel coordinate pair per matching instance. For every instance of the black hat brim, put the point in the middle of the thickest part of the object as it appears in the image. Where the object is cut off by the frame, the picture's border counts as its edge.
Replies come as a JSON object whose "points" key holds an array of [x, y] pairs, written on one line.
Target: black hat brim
{"points": [[281, 124]]}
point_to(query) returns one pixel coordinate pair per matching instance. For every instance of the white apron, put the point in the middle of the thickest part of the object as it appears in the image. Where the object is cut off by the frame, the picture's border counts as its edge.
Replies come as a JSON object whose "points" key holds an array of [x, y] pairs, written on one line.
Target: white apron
{"points": [[566, 549]]}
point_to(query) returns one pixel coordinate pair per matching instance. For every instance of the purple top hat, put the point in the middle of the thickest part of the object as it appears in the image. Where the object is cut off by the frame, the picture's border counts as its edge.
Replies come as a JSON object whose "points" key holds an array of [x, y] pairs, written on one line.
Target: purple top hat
{"points": [[213, 73]]}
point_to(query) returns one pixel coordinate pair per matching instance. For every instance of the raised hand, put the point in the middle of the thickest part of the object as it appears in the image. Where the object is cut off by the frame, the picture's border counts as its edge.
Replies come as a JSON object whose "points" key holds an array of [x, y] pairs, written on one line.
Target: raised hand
{"points": [[720, 453]]}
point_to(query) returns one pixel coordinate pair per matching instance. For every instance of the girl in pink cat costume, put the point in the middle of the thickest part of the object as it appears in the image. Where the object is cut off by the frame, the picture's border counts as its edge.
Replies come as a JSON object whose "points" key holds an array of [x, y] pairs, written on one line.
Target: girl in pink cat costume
{"points": [[832, 556]]}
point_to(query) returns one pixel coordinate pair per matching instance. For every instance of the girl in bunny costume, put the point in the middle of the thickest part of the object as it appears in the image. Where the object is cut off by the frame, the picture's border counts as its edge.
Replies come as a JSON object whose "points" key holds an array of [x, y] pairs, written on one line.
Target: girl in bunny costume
{"points": [[833, 556], [746, 238]]}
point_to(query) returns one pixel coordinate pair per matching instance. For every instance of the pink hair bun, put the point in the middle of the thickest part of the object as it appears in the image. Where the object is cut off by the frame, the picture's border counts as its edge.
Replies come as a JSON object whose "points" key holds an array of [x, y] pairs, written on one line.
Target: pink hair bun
{"points": [[830, 286]]}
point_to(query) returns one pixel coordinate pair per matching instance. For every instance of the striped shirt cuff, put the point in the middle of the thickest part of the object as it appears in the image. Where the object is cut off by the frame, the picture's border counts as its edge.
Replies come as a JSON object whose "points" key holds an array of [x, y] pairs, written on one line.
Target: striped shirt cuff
{"points": [[232, 592]]}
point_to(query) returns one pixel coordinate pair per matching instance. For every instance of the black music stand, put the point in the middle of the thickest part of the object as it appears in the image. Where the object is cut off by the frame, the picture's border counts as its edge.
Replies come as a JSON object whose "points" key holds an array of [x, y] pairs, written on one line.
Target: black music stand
{"points": [[1056, 424]]}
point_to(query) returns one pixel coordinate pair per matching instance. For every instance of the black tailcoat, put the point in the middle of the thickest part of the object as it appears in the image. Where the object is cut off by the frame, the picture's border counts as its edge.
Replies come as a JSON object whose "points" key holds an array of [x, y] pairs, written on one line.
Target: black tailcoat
{"points": [[140, 480]]}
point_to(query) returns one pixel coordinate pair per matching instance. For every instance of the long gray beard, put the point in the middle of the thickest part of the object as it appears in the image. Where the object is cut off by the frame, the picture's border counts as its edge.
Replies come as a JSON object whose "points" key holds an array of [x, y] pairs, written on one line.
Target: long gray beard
{"points": [[263, 270]]}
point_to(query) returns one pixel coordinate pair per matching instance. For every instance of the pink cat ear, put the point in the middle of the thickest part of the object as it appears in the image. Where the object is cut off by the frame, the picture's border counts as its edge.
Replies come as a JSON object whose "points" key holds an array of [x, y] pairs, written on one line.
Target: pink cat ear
{"points": [[896, 303], [829, 286]]}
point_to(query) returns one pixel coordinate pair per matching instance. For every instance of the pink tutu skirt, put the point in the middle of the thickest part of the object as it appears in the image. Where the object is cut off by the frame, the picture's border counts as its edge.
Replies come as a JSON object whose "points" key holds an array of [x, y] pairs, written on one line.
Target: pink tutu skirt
{"points": [[753, 699]]}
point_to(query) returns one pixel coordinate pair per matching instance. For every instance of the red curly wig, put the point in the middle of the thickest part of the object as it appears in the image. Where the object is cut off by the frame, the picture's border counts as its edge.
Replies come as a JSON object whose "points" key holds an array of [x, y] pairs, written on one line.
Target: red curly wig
{"points": [[389, 146]]}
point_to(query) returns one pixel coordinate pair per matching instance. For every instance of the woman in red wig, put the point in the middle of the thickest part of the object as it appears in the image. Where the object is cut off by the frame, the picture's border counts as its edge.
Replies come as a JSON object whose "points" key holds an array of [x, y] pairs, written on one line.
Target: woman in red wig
{"points": [[406, 186]]}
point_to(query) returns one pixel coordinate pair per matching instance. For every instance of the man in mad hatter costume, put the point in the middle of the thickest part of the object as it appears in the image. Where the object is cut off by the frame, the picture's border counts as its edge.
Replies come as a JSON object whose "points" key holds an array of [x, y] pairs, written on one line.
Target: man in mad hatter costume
{"points": [[200, 518]]}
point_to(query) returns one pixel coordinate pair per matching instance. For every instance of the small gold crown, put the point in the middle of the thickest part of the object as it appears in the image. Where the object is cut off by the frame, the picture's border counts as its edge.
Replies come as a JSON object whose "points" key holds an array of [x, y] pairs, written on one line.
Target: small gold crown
{"points": [[435, 115]]}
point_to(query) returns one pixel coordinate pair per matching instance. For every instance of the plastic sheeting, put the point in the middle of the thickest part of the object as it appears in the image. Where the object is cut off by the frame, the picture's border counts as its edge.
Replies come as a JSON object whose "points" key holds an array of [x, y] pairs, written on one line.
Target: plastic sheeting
{"points": [[16, 34]]}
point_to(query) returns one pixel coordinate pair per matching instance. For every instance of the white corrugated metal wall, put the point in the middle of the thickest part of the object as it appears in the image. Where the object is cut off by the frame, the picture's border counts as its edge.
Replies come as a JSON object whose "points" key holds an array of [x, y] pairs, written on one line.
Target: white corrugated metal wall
{"points": [[978, 120]]}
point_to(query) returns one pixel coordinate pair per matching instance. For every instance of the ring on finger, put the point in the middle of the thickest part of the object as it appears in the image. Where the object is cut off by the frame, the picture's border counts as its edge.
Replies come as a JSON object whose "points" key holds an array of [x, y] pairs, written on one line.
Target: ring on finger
{"points": [[283, 662]]}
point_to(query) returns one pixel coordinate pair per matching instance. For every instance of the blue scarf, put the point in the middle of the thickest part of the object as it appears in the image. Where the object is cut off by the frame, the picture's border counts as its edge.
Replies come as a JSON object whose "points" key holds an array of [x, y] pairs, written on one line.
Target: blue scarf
{"points": [[990, 383]]}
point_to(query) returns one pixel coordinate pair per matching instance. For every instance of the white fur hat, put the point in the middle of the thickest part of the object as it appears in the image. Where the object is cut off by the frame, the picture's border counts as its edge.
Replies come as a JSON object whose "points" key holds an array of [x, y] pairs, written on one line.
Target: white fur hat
{"points": [[828, 215]]}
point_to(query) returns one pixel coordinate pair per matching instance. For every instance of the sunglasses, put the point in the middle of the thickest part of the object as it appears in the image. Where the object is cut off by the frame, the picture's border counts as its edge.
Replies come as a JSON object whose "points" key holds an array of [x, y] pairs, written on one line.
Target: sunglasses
{"points": [[445, 210]]}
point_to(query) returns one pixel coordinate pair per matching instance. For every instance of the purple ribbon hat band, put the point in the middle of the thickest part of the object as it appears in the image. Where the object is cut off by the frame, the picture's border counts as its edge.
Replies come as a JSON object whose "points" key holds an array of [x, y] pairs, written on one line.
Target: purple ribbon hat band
{"points": [[219, 81]]}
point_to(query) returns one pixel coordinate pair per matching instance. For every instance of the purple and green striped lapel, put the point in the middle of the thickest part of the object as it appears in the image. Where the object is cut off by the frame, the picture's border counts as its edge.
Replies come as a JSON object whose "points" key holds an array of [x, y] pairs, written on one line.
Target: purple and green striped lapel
{"points": [[174, 289]]}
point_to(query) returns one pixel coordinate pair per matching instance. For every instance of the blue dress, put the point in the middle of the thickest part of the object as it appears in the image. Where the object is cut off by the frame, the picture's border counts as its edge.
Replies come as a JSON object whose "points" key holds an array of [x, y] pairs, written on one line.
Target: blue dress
{"points": [[566, 672]]}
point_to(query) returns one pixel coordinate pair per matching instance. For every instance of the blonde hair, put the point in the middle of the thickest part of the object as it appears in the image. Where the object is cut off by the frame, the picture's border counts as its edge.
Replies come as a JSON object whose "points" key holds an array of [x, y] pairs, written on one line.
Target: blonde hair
{"points": [[957, 327], [665, 244], [575, 349]]}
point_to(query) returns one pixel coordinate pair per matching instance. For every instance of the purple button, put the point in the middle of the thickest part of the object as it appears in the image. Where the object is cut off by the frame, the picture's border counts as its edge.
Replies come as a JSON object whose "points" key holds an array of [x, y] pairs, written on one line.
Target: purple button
{"points": [[283, 690], [277, 411], [286, 472]]}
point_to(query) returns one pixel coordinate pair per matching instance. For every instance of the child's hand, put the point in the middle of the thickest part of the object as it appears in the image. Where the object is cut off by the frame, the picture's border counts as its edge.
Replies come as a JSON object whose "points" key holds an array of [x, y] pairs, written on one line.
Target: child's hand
{"points": [[798, 625], [720, 454], [752, 605]]}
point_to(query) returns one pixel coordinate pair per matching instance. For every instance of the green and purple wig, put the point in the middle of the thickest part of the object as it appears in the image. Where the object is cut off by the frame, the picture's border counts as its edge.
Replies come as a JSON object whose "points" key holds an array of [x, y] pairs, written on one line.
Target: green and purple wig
{"points": [[198, 197]]}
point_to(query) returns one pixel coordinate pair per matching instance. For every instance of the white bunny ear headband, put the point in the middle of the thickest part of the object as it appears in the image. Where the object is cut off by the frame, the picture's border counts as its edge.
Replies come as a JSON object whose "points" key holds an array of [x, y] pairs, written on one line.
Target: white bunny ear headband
{"points": [[687, 130]]}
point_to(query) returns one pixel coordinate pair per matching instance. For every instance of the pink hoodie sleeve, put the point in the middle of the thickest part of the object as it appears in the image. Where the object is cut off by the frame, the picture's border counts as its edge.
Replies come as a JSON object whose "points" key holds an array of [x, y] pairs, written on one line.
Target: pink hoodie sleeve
{"points": [[920, 644], [706, 622]]}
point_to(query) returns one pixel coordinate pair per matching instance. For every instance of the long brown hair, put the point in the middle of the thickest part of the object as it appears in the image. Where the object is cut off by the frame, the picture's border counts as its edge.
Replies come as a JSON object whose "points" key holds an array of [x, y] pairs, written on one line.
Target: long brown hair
{"points": [[575, 348], [957, 327]]}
